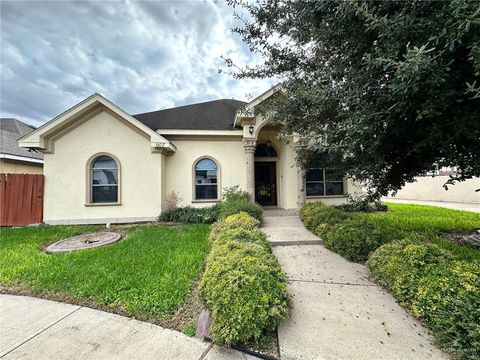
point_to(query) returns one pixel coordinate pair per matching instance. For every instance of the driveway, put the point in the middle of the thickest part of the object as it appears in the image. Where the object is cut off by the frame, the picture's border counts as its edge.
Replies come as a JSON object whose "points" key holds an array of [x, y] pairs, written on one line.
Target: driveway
{"points": [[38, 329], [338, 312]]}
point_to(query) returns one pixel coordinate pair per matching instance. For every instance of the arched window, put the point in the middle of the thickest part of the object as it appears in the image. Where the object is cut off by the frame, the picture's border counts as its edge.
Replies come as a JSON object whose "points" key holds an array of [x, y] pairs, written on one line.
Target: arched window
{"points": [[206, 179], [104, 180]]}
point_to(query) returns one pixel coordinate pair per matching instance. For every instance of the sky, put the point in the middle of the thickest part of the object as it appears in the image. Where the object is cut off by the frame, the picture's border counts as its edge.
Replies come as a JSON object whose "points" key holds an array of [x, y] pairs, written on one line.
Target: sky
{"points": [[143, 56]]}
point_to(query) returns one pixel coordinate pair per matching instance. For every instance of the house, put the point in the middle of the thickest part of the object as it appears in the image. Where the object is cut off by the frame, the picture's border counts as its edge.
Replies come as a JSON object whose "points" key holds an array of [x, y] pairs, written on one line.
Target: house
{"points": [[103, 165], [14, 159]]}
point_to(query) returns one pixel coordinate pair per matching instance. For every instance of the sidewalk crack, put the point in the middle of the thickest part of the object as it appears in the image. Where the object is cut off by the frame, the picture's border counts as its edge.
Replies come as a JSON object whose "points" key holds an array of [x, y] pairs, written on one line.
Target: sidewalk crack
{"points": [[206, 351], [329, 282], [41, 331]]}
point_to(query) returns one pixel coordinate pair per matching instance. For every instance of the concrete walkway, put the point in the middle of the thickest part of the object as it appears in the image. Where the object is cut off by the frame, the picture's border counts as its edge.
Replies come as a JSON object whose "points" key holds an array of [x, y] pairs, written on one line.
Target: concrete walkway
{"points": [[475, 207], [38, 329], [338, 312]]}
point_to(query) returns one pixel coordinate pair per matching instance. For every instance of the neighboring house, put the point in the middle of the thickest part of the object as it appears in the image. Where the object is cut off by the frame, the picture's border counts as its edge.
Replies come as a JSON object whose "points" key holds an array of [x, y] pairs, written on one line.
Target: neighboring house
{"points": [[14, 159], [103, 165], [429, 188]]}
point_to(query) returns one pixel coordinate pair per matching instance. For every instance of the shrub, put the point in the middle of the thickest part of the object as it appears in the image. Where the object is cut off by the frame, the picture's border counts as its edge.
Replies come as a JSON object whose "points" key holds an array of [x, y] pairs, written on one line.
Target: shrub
{"points": [[435, 287], [353, 240], [316, 213], [241, 219], [363, 205], [244, 235], [172, 199], [236, 206], [188, 214], [234, 193], [246, 291]]}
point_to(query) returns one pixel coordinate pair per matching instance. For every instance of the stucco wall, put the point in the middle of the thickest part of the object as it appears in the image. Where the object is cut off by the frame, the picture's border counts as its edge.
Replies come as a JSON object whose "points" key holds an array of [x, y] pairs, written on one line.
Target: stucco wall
{"points": [[229, 155], [66, 174], [430, 188], [8, 166]]}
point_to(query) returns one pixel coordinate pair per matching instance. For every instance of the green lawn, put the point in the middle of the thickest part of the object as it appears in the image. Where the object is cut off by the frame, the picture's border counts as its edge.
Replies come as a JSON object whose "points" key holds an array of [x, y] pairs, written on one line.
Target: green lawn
{"points": [[403, 219], [148, 274]]}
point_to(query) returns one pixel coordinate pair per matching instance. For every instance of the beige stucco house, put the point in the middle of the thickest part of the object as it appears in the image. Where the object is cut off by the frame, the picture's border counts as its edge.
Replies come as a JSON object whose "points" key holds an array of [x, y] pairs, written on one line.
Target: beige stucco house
{"points": [[103, 165]]}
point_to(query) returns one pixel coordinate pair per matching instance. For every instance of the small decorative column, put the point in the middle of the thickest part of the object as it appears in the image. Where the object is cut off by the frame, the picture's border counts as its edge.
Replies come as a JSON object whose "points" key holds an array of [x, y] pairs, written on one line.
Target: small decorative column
{"points": [[249, 147], [299, 146]]}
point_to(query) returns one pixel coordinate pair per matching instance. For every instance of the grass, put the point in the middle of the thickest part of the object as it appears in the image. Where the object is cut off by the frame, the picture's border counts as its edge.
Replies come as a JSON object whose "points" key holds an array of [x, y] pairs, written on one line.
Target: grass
{"points": [[147, 275], [404, 218], [431, 221]]}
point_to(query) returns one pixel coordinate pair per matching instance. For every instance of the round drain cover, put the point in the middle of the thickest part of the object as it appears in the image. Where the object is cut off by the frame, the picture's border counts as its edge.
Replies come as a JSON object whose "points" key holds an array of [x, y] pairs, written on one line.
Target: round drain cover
{"points": [[84, 241]]}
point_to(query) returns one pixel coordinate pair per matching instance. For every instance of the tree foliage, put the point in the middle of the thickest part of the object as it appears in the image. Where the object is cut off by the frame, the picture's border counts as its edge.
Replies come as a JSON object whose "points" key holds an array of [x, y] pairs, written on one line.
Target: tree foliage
{"points": [[390, 89]]}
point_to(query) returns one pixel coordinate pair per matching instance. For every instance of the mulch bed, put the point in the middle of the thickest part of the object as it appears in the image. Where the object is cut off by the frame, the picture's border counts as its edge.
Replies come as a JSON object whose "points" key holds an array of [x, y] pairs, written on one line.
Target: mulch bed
{"points": [[472, 239]]}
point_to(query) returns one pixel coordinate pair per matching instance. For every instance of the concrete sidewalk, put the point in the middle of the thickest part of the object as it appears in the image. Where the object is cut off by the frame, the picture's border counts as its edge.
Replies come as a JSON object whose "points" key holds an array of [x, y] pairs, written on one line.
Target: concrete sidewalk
{"points": [[32, 328], [475, 207], [338, 312]]}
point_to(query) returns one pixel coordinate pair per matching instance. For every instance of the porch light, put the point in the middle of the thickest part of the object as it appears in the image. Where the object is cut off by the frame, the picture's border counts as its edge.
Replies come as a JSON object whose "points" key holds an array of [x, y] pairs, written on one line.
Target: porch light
{"points": [[250, 129]]}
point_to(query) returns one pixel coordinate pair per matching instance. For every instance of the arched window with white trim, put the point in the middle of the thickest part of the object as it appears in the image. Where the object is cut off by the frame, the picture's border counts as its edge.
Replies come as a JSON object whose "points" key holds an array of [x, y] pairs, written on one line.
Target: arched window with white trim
{"points": [[206, 179], [104, 180]]}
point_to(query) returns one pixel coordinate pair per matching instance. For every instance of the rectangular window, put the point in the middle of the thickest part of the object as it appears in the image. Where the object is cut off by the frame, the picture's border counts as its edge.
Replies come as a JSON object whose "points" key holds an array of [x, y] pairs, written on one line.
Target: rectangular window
{"points": [[323, 182], [206, 185]]}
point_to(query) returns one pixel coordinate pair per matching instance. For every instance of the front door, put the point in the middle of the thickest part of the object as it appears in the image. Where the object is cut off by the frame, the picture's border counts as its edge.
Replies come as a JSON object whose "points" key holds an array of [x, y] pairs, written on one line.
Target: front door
{"points": [[266, 183]]}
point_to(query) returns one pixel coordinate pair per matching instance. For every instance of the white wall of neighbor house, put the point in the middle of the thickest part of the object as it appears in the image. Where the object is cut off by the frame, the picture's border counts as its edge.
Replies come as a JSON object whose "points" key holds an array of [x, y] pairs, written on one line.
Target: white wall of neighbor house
{"points": [[227, 151], [66, 173], [19, 167], [431, 189]]}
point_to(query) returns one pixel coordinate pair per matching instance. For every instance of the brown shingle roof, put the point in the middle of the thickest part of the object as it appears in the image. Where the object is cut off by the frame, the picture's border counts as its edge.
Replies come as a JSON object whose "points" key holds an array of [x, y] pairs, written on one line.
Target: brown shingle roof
{"points": [[10, 131], [211, 115]]}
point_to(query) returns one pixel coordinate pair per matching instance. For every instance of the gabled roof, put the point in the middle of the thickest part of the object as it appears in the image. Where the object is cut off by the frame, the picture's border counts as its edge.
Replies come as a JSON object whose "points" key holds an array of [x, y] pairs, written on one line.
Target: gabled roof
{"points": [[10, 131], [210, 115], [41, 137], [248, 111]]}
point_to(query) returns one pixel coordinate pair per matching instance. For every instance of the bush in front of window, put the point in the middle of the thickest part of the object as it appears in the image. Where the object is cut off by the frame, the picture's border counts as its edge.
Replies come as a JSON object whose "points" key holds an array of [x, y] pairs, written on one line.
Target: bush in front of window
{"points": [[360, 204], [234, 193], [191, 215]]}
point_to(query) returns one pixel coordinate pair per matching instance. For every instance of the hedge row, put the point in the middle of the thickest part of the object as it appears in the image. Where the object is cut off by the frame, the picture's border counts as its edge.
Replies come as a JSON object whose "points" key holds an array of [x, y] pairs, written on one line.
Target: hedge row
{"points": [[243, 284], [234, 201], [436, 280], [342, 232], [435, 286]]}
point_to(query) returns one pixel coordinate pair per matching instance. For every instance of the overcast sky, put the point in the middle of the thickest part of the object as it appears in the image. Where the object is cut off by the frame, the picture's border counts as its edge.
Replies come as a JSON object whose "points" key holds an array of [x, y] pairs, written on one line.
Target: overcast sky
{"points": [[143, 56]]}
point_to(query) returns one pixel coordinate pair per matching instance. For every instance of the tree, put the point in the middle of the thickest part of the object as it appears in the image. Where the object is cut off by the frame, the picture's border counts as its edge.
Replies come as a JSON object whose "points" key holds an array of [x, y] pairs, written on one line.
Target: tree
{"points": [[391, 89]]}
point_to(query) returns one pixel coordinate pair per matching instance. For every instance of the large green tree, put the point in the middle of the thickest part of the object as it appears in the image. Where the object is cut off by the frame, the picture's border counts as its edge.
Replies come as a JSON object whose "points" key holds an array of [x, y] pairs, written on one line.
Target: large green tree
{"points": [[391, 89]]}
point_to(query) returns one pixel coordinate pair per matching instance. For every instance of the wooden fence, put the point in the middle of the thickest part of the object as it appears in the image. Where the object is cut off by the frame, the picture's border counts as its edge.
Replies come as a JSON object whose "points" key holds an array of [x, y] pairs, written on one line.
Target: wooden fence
{"points": [[21, 199]]}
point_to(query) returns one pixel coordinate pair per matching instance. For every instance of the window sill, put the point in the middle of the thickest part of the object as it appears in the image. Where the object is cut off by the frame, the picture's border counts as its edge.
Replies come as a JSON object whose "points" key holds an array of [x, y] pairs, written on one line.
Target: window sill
{"points": [[326, 196], [102, 204], [206, 201]]}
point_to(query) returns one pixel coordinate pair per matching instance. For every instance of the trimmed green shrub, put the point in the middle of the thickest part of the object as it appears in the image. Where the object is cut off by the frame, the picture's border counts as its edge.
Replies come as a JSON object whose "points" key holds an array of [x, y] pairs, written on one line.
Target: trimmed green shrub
{"points": [[234, 207], [353, 240], [242, 219], [361, 205], [234, 193], [188, 214], [436, 288], [246, 291], [240, 234], [316, 213]]}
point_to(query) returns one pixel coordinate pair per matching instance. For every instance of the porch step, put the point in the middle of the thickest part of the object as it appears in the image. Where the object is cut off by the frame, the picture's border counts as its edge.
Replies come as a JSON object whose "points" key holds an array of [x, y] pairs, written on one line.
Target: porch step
{"points": [[295, 242]]}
